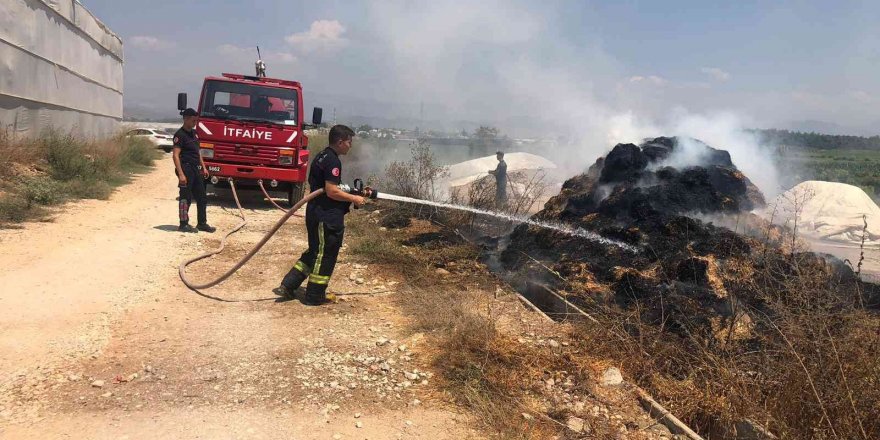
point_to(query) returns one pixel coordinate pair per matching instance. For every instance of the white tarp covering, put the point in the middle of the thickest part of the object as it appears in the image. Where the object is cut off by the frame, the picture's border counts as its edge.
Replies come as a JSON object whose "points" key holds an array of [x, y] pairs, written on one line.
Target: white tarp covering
{"points": [[161, 126], [472, 170], [827, 211], [59, 67], [530, 166]]}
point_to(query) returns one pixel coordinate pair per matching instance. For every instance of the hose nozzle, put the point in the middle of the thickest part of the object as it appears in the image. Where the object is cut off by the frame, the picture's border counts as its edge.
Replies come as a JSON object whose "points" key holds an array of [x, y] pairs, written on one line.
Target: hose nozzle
{"points": [[357, 188]]}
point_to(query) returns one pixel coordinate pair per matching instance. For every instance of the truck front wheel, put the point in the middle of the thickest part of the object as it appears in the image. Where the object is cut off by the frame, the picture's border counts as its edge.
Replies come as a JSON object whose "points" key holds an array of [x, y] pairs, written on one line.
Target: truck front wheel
{"points": [[295, 193]]}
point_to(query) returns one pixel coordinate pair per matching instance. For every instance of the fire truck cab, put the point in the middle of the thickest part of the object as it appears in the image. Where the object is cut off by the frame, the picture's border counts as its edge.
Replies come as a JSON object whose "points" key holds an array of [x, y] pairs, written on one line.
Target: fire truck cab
{"points": [[251, 128]]}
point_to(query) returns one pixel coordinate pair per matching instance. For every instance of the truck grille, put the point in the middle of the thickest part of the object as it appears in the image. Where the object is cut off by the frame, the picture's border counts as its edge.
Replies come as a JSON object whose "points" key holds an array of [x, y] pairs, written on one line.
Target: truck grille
{"points": [[246, 154]]}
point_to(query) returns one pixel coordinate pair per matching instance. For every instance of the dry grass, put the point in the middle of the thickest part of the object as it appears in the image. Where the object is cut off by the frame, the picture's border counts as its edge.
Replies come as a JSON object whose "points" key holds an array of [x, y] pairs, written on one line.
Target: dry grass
{"points": [[54, 167], [801, 356], [481, 367]]}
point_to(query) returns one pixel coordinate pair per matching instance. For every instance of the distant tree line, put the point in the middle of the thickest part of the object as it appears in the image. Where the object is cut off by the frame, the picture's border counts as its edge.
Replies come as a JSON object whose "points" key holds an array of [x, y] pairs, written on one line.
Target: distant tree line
{"points": [[487, 140], [817, 141]]}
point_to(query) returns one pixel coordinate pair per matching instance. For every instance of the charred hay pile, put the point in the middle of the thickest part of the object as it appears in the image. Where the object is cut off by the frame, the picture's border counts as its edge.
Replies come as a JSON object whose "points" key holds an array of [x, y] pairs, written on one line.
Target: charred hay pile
{"points": [[700, 295], [700, 271]]}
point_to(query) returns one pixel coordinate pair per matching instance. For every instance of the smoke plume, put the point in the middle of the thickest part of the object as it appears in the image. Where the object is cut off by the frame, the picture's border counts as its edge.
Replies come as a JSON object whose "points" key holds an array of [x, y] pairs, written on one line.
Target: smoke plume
{"points": [[488, 63]]}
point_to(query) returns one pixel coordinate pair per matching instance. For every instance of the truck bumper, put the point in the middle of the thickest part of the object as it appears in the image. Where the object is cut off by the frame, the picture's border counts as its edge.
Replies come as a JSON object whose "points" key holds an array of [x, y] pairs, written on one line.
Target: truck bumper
{"points": [[254, 173]]}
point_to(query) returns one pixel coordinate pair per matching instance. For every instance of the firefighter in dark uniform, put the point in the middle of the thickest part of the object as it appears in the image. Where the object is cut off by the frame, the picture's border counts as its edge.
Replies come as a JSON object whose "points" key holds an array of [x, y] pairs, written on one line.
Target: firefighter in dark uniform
{"points": [[500, 173], [191, 174], [325, 222]]}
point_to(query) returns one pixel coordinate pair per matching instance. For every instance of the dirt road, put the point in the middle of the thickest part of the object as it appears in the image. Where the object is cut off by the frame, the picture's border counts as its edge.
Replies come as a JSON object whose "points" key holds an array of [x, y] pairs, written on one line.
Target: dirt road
{"points": [[99, 339]]}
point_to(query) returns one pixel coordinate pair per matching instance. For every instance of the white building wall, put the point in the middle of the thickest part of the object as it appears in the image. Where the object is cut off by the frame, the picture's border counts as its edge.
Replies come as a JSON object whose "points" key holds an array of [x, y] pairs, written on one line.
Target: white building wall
{"points": [[60, 68]]}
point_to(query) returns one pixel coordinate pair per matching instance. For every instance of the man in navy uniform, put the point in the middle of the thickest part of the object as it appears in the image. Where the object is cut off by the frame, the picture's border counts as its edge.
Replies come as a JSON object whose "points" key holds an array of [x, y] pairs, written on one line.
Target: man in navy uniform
{"points": [[325, 221], [500, 174], [191, 174]]}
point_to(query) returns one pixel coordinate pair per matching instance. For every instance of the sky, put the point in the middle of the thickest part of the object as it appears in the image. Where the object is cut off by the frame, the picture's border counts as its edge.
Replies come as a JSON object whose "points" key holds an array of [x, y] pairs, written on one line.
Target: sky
{"points": [[521, 65]]}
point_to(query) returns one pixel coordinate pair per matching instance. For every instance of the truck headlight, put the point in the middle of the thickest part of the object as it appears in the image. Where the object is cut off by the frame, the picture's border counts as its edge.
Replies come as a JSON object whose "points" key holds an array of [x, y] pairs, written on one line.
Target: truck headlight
{"points": [[207, 153], [285, 160]]}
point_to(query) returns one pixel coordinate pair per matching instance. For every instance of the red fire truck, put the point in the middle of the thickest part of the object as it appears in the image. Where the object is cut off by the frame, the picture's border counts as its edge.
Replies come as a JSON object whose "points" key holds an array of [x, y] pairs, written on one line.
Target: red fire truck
{"points": [[251, 129]]}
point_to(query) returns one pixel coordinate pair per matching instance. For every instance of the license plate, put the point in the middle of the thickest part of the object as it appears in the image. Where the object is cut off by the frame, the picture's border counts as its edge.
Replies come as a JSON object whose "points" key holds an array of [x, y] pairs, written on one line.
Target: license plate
{"points": [[214, 169]]}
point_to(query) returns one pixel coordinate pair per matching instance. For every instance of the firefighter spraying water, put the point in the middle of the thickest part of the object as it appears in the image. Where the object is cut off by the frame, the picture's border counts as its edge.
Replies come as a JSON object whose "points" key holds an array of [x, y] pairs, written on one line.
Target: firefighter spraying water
{"points": [[325, 221], [356, 189]]}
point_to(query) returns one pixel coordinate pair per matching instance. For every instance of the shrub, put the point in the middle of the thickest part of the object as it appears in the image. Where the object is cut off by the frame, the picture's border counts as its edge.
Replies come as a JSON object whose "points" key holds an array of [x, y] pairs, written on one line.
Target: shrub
{"points": [[54, 167], [41, 190], [136, 152], [418, 177], [16, 209]]}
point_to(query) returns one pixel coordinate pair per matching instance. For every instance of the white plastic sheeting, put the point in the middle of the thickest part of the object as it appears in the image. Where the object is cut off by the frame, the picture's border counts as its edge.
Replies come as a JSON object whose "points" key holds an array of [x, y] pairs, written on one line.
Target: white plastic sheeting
{"points": [[827, 211], [27, 118], [161, 126], [59, 67], [470, 171], [462, 176], [829, 217]]}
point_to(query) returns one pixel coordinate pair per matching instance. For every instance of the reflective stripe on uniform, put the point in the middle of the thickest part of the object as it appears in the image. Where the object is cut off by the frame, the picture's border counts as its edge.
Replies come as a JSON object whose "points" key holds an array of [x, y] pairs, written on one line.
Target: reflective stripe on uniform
{"points": [[319, 279], [300, 266], [320, 248]]}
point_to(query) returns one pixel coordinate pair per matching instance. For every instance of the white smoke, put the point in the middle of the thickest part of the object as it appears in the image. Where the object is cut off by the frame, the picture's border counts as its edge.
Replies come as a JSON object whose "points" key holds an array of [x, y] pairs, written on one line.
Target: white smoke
{"points": [[725, 131], [688, 152], [720, 130], [488, 62], [627, 128]]}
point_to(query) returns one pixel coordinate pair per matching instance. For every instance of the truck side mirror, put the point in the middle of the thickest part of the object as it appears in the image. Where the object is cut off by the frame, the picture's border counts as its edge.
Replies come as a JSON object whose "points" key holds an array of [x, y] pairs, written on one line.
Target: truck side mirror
{"points": [[317, 113], [181, 101]]}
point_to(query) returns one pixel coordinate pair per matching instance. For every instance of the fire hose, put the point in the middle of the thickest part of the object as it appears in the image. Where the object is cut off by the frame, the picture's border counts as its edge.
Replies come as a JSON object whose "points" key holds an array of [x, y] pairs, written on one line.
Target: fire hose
{"points": [[357, 189], [268, 197]]}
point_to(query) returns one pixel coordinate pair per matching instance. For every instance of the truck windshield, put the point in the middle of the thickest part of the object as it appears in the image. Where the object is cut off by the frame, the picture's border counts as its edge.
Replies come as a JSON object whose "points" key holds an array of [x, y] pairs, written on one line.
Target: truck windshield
{"points": [[230, 100]]}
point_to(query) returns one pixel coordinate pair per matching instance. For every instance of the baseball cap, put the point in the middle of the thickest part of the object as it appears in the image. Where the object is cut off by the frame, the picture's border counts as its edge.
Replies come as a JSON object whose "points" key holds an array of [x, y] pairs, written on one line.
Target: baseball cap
{"points": [[188, 112]]}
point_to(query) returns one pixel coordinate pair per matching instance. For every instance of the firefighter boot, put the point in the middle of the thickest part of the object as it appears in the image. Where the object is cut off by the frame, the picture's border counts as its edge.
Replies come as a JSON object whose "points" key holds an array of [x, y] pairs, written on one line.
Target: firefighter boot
{"points": [[185, 227], [205, 227], [316, 294], [294, 278]]}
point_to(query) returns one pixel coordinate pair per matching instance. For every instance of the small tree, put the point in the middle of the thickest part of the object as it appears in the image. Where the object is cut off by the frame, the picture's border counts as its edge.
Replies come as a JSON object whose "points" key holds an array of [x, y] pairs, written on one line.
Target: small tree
{"points": [[486, 141], [418, 177], [526, 188], [485, 133]]}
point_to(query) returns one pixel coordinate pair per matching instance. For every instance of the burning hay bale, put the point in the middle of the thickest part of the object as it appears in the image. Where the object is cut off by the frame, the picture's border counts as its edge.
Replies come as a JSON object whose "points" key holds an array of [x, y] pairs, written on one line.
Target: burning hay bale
{"points": [[645, 196], [642, 195], [709, 301], [636, 196], [638, 181]]}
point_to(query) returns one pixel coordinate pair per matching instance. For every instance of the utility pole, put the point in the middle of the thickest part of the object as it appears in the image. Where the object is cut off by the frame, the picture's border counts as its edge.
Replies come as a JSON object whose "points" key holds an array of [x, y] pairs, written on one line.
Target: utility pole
{"points": [[334, 115]]}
